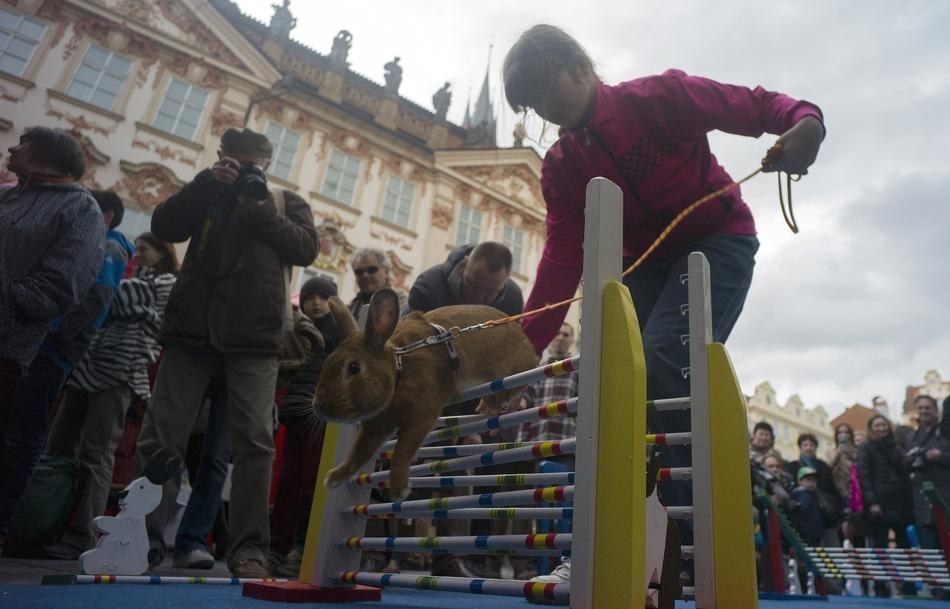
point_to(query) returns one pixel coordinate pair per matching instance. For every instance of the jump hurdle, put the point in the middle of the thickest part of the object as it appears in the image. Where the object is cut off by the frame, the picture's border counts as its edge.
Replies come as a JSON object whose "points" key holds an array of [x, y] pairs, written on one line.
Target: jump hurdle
{"points": [[608, 544]]}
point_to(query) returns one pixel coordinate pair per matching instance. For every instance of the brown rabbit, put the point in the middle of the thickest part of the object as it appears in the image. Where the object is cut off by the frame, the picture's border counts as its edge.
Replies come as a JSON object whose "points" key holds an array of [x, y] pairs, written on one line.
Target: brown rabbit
{"points": [[359, 381]]}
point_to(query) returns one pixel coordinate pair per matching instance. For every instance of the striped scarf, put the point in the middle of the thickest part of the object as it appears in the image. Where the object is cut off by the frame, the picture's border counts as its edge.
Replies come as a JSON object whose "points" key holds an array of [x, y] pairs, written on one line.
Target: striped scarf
{"points": [[128, 342]]}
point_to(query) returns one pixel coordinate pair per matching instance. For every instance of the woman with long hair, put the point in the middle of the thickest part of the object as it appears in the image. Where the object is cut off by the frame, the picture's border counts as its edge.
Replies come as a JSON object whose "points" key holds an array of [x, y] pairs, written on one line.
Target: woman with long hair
{"points": [[885, 488], [844, 473]]}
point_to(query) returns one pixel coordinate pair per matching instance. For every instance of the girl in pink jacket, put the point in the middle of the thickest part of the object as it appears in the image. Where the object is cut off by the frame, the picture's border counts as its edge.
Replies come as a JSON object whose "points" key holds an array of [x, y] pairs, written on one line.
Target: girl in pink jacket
{"points": [[649, 136]]}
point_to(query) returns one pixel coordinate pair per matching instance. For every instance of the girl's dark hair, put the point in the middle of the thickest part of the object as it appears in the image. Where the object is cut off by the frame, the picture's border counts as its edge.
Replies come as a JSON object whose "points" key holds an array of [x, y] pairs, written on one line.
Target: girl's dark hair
{"points": [[57, 149], [538, 56], [849, 429], [168, 264], [890, 428]]}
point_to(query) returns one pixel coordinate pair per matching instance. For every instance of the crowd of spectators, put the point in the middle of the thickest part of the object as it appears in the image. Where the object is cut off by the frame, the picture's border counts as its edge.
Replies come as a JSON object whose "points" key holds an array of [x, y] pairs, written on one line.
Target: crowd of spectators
{"points": [[86, 315], [872, 492], [220, 351]]}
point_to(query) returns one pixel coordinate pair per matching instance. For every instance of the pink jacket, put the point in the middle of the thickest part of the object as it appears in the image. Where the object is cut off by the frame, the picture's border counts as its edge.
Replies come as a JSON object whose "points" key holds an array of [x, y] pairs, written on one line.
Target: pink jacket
{"points": [[648, 136]]}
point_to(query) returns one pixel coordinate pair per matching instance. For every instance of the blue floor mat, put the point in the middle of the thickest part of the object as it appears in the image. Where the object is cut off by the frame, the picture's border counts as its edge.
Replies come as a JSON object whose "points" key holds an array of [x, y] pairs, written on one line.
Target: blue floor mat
{"points": [[195, 596]]}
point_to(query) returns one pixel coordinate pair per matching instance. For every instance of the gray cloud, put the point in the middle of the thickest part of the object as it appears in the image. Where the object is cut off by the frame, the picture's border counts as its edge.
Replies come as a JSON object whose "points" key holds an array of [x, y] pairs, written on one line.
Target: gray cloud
{"points": [[854, 305]]}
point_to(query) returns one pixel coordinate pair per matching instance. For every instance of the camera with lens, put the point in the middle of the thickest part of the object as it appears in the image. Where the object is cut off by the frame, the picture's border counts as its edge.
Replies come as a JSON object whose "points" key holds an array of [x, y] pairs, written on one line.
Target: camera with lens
{"points": [[251, 182], [917, 462]]}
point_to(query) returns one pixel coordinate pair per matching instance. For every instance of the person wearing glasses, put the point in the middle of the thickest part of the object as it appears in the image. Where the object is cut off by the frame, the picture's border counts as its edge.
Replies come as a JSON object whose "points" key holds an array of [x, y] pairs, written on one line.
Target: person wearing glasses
{"points": [[372, 269]]}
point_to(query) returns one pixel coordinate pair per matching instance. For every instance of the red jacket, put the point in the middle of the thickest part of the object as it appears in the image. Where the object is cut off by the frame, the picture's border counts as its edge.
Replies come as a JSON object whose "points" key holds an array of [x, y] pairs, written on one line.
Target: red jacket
{"points": [[649, 137]]}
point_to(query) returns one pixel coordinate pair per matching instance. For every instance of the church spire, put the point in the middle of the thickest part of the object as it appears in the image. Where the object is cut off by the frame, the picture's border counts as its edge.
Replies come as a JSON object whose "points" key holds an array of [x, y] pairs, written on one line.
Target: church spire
{"points": [[481, 127]]}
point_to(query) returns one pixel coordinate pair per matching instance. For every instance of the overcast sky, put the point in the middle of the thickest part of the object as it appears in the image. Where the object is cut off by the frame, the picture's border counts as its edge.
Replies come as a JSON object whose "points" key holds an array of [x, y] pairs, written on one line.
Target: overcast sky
{"points": [[853, 306]]}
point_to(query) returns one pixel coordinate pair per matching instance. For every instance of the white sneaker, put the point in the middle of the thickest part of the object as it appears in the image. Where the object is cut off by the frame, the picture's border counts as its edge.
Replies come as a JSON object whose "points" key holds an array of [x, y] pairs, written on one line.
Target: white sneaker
{"points": [[195, 559], [560, 575]]}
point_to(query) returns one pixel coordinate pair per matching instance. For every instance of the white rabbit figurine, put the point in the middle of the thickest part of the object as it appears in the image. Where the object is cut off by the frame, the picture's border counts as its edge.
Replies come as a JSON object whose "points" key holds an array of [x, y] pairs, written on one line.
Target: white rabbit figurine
{"points": [[123, 547]]}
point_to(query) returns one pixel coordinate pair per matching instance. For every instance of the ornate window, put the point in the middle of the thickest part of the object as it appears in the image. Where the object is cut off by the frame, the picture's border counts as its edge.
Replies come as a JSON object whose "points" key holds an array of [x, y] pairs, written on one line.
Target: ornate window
{"points": [[285, 144], [19, 37], [397, 206], [342, 173], [470, 226], [100, 77], [181, 109], [514, 239]]}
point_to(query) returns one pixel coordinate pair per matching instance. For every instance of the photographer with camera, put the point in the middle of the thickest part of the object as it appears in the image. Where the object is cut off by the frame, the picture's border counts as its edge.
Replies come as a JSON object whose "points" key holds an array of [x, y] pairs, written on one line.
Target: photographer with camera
{"points": [[226, 315], [927, 458]]}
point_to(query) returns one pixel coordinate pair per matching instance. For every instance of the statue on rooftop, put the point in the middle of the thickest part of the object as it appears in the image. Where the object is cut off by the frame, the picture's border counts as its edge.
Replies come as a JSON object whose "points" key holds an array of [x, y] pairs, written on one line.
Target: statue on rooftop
{"points": [[282, 20], [393, 76], [341, 48], [519, 134], [441, 100]]}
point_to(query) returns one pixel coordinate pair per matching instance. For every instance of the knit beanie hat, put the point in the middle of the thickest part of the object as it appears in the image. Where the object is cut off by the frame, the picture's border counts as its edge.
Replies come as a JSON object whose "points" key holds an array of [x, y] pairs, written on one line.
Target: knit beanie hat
{"points": [[317, 286]]}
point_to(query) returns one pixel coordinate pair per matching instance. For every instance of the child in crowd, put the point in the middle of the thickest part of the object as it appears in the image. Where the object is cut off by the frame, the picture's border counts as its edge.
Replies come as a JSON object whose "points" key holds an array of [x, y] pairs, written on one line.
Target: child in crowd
{"points": [[316, 328], [808, 515]]}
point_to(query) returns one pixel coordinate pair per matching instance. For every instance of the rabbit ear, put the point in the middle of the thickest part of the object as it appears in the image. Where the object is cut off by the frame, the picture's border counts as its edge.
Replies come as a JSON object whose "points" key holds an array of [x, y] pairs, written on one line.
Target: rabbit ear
{"points": [[383, 317], [342, 316]]}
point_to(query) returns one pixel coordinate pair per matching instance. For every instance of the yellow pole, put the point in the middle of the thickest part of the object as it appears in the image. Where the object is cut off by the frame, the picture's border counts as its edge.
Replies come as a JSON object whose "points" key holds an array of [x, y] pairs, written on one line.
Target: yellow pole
{"points": [[331, 440], [620, 525], [734, 551]]}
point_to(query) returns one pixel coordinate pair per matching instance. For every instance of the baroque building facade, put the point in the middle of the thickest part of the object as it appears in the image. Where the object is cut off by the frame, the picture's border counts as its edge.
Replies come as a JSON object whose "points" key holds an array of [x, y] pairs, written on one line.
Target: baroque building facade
{"points": [[149, 86], [790, 420]]}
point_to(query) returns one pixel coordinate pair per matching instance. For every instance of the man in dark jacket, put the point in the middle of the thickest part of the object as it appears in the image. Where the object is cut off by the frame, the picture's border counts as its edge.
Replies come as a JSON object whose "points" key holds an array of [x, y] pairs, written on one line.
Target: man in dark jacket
{"points": [[226, 313], [927, 459], [51, 247], [472, 274]]}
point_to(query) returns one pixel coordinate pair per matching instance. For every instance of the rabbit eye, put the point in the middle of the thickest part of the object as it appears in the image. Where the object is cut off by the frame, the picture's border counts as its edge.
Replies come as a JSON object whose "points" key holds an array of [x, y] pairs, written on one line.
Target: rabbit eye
{"points": [[353, 367]]}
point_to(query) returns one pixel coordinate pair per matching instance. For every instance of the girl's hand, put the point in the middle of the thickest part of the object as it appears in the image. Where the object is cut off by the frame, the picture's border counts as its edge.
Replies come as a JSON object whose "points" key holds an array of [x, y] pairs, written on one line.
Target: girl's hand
{"points": [[796, 149]]}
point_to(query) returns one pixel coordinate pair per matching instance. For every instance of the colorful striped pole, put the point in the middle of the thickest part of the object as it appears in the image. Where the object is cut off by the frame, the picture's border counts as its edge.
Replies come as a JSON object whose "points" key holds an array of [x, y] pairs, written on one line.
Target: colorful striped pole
{"points": [[509, 513], [549, 494], [480, 544], [538, 450], [152, 580], [521, 379], [461, 450], [669, 439], [549, 411], [557, 593], [563, 478], [669, 404]]}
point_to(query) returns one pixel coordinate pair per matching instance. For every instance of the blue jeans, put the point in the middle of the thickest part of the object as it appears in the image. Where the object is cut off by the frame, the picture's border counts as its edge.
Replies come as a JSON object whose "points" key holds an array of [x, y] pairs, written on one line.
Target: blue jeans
{"points": [[205, 500], [24, 416], [658, 293]]}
